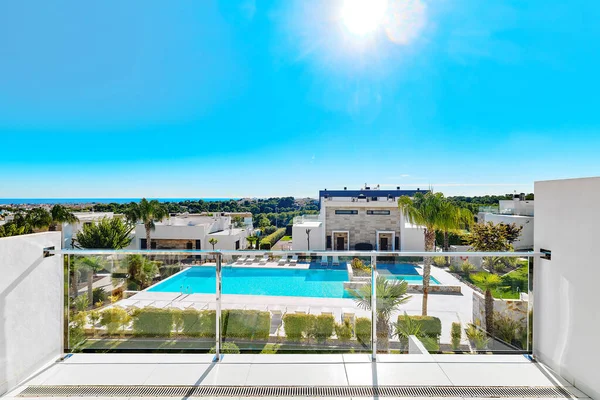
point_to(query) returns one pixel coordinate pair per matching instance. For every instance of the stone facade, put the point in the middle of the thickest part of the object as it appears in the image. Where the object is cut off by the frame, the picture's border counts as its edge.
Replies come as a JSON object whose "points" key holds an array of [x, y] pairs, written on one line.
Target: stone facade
{"points": [[174, 244], [362, 227], [517, 310]]}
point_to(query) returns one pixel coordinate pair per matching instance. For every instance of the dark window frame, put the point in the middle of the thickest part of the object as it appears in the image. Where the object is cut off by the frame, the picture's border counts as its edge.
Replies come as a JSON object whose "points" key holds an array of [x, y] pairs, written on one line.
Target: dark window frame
{"points": [[379, 212], [346, 212]]}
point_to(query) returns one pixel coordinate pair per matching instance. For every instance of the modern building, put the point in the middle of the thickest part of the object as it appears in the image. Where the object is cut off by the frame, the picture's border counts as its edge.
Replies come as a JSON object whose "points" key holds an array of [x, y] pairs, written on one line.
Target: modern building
{"points": [[365, 219], [70, 230], [194, 232], [516, 211]]}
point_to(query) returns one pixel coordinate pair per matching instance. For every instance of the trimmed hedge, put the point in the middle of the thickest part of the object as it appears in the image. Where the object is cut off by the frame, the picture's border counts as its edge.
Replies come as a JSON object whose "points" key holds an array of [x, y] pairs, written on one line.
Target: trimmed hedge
{"points": [[296, 326], [199, 323], [268, 241], [246, 324], [152, 321], [307, 326], [430, 326], [363, 330]]}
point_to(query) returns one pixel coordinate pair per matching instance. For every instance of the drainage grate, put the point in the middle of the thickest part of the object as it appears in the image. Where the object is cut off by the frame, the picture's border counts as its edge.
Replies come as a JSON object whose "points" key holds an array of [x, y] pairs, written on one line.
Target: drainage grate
{"points": [[296, 391]]}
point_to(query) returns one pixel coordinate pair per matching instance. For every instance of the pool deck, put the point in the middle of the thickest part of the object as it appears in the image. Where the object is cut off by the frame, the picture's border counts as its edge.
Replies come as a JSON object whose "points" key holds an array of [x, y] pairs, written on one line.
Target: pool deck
{"points": [[449, 308]]}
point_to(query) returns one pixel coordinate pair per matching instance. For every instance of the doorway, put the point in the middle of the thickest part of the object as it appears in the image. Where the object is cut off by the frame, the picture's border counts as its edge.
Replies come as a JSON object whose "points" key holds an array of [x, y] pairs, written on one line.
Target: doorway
{"points": [[339, 243]]}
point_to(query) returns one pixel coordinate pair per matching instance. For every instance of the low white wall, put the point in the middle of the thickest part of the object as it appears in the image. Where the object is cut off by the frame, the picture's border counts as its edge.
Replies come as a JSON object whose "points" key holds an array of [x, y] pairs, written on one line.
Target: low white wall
{"points": [[412, 239], [525, 240], [299, 242], [566, 303], [31, 306]]}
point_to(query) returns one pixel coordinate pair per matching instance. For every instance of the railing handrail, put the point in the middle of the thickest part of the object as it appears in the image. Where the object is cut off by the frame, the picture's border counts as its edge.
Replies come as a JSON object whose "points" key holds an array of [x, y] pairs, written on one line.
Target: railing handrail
{"points": [[357, 253]]}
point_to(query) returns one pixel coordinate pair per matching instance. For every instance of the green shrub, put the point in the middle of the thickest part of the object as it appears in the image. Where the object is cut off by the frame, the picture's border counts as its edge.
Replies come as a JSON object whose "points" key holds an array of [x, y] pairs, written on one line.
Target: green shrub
{"points": [[466, 268], [77, 330], [506, 328], [269, 229], [456, 334], [322, 327], [99, 294], [430, 326], [152, 321], [454, 268], [430, 343], [477, 337], [296, 326], [268, 241], [81, 302], [439, 261], [199, 323], [114, 319], [363, 330], [246, 324], [344, 331], [226, 348]]}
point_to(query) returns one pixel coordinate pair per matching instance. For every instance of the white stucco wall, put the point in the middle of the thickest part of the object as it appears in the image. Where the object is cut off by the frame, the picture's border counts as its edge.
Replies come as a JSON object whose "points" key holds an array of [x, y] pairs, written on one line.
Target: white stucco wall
{"points": [[566, 302], [317, 236], [525, 241], [31, 306], [412, 238]]}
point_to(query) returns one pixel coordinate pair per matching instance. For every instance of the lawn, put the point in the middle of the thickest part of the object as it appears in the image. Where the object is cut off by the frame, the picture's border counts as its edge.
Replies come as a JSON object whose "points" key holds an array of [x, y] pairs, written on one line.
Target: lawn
{"points": [[286, 239], [512, 285]]}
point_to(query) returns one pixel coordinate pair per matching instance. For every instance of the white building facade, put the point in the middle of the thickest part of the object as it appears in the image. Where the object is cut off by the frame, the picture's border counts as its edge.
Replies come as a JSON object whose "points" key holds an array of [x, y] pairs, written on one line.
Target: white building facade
{"points": [[366, 219], [193, 232], [517, 211]]}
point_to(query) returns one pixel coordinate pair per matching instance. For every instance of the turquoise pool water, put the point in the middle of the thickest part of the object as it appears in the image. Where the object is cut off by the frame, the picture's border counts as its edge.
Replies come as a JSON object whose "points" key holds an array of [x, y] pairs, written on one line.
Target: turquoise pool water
{"points": [[312, 282], [260, 281]]}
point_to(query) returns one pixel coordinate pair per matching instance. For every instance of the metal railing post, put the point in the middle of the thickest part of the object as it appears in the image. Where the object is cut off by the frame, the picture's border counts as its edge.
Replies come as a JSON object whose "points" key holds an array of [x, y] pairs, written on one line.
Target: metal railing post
{"points": [[218, 290], [373, 308]]}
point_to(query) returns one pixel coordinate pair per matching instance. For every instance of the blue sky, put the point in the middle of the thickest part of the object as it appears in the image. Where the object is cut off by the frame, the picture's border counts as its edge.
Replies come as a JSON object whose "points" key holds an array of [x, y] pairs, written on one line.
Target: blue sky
{"points": [[266, 98]]}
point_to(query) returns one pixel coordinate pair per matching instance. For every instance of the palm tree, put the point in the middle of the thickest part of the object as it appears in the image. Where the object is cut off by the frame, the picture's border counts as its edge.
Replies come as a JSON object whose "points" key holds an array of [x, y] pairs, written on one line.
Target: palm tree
{"points": [[487, 282], [38, 218], [425, 210], [60, 214], [147, 212], [252, 239], [390, 295], [108, 233], [91, 265], [454, 219], [213, 241]]}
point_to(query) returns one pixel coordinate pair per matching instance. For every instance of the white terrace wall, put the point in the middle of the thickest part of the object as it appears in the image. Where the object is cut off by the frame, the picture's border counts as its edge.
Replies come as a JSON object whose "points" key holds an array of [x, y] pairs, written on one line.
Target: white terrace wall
{"points": [[31, 306], [566, 298]]}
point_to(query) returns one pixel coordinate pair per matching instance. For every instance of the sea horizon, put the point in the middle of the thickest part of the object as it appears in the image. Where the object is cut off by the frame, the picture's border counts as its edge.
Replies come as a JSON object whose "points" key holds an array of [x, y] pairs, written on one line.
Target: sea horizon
{"points": [[98, 200]]}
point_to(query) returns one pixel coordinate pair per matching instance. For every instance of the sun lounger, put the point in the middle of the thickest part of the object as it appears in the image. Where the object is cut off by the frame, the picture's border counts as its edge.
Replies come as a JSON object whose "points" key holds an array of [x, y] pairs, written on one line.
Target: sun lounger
{"points": [[348, 314], [326, 311], [294, 260], [181, 305], [250, 260], [283, 260], [241, 260], [324, 261], [276, 318], [335, 260], [264, 260]]}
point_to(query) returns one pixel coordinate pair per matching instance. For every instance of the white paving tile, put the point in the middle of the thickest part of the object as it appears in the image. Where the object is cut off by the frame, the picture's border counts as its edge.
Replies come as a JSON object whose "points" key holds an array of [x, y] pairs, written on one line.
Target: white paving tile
{"points": [[396, 374], [405, 358], [354, 358], [298, 358], [495, 374], [297, 374], [481, 358], [101, 374], [199, 374]]}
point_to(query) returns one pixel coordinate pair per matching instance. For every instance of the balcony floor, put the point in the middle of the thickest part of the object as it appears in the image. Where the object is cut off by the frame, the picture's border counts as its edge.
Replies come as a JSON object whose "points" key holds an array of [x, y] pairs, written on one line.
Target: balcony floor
{"points": [[293, 370]]}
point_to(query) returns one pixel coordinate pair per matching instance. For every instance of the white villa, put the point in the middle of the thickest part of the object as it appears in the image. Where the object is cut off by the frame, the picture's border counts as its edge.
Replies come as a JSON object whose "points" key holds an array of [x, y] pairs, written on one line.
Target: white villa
{"points": [[193, 232], [365, 219], [516, 211], [69, 231]]}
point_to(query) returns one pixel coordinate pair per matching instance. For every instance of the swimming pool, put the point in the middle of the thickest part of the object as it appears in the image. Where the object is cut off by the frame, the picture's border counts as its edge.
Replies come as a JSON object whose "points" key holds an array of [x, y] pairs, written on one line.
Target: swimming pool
{"points": [[259, 281], [312, 282]]}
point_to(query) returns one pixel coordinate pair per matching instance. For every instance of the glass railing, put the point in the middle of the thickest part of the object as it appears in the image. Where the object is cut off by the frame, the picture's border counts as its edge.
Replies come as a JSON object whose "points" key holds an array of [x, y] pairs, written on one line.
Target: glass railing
{"points": [[298, 302]]}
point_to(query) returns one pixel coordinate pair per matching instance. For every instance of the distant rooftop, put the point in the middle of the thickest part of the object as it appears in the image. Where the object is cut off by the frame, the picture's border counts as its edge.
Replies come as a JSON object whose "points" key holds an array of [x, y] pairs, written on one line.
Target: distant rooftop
{"points": [[369, 191]]}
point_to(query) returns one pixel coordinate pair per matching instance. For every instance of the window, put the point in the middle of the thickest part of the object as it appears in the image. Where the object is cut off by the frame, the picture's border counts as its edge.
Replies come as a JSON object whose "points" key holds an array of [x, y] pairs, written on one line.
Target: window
{"points": [[378, 212], [328, 242], [346, 212], [374, 198], [198, 245]]}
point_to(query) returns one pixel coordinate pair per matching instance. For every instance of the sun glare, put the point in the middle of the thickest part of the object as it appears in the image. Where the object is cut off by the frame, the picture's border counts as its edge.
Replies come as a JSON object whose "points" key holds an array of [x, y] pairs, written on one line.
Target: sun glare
{"points": [[362, 17]]}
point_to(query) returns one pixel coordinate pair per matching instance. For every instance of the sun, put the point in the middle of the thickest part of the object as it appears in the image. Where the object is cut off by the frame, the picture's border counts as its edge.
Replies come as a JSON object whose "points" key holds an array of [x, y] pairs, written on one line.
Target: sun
{"points": [[362, 17]]}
